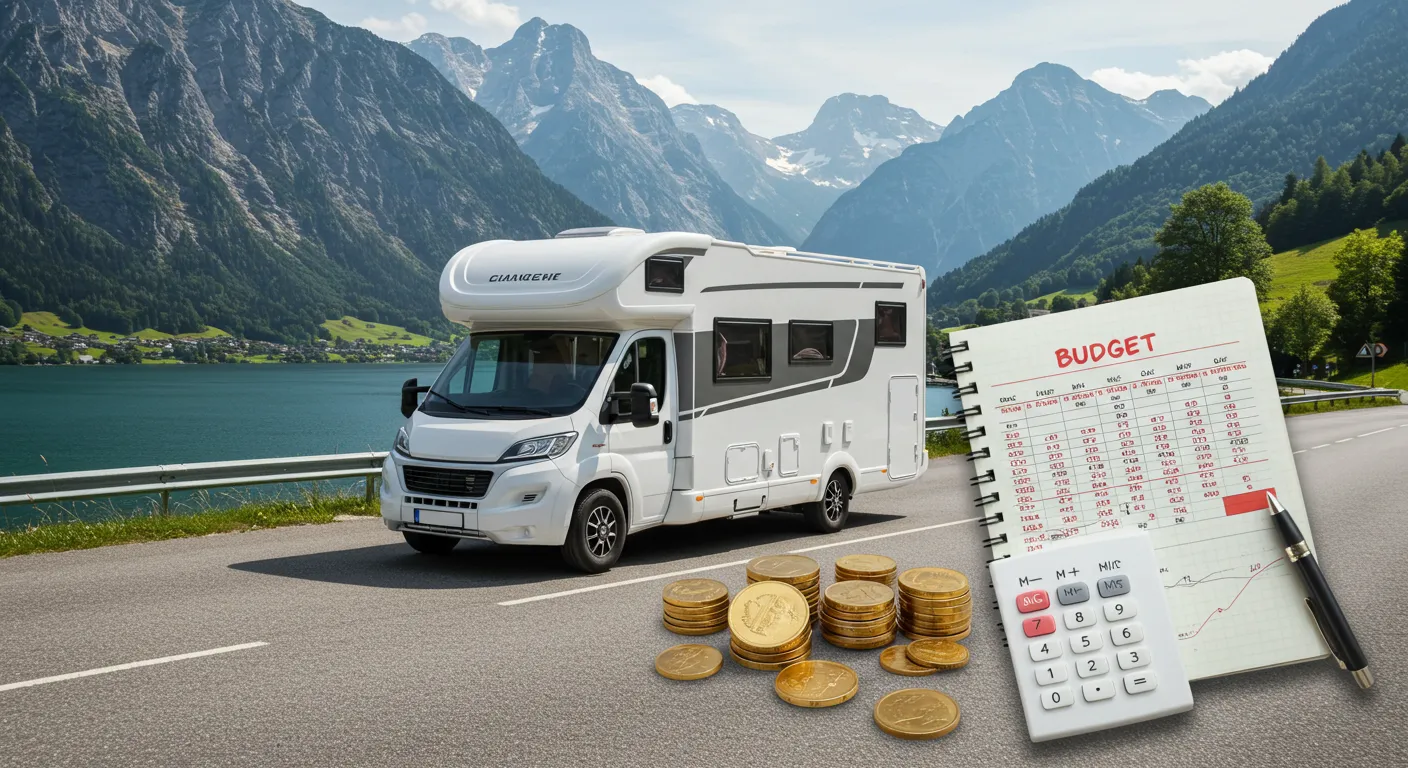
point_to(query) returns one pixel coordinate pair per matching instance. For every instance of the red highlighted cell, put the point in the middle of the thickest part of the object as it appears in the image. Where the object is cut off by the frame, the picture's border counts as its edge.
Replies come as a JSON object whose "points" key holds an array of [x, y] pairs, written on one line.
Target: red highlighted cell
{"points": [[1035, 600], [1037, 626], [1252, 501]]}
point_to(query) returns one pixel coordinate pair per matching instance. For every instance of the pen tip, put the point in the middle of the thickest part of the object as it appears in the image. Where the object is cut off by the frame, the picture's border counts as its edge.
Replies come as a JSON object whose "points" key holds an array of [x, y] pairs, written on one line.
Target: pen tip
{"points": [[1274, 504]]}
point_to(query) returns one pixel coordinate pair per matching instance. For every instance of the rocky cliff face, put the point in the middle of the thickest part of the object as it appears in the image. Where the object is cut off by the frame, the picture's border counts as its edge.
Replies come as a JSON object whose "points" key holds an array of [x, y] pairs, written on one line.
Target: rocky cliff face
{"points": [[243, 163], [595, 130], [1006, 163]]}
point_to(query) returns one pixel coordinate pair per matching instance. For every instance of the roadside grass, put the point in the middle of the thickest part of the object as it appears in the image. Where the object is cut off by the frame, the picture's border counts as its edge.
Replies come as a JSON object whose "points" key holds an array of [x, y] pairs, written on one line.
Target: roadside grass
{"points": [[352, 329], [64, 535], [1394, 376], [949, 442], [1303, 409], [1312, 264]]}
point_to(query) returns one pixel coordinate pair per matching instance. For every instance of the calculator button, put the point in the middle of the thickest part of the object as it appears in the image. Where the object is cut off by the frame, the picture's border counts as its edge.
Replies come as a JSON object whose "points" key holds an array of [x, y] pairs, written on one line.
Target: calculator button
{"points": [[1046, 649], [1114, 586], [1119, 610], [1098, 690], [1139, 657], [1077, 618], [1070, 594], [1037, 626], [1141, 682], [1085, 643], [1128, 634], [1035, 600], [1055, 698], [1052, 673], [1091, 666]]}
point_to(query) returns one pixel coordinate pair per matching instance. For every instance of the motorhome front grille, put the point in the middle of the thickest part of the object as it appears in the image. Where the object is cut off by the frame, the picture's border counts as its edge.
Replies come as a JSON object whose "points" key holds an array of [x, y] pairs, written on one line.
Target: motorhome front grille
{"points": [[426, 501], [469, 483]]}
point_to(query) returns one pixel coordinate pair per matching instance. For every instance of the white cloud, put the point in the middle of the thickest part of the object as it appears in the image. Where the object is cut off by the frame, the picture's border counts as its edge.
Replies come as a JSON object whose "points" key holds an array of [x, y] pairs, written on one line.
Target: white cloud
{"points": [[482, 13], [410, 26], [670, 91], [1214, 78]]}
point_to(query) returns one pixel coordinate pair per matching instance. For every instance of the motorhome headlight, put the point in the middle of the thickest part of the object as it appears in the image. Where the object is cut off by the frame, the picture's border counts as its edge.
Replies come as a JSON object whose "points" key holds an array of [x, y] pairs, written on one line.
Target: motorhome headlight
{"points": [[549, 447], [403, 442]]}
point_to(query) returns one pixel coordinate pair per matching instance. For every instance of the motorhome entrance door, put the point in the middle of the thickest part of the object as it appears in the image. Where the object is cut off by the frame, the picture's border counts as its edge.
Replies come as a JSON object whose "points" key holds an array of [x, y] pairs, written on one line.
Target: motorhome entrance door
{"points": [[648, 359], [905, 428]]}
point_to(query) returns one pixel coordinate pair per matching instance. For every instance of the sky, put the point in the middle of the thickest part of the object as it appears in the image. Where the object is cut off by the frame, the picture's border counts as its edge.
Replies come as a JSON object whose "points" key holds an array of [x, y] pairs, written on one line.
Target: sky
{"points": [[773, 62]]}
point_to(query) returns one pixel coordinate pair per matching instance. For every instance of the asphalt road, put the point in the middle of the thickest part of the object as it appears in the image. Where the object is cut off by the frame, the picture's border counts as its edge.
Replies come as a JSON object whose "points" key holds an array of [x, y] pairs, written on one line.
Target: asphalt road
{"points": [[379, 656]]}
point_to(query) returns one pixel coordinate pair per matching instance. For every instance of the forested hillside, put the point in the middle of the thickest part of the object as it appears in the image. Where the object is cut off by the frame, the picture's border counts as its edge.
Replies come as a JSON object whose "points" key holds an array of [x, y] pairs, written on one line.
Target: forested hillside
{"points": [[1333, 202]]}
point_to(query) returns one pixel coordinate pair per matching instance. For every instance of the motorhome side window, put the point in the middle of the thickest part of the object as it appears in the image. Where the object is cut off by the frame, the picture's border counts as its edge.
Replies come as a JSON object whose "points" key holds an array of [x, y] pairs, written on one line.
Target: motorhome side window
{"points": [[643, 363], [742, 349], [809, 341], [664, 274], [889, 324]]}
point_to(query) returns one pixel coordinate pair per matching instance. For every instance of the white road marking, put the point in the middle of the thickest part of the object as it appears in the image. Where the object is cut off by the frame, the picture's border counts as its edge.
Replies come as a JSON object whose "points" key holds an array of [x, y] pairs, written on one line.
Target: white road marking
{"points": [[1377, 431], [1297, 453], [1318, 447], [735, 563], [1347, 439], [130, 665]]}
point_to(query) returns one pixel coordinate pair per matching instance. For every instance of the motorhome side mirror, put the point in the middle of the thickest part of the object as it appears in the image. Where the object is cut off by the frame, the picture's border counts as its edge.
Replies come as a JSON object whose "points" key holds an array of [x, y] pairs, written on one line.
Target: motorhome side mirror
{"points": [[410, 396], [645, 408]]}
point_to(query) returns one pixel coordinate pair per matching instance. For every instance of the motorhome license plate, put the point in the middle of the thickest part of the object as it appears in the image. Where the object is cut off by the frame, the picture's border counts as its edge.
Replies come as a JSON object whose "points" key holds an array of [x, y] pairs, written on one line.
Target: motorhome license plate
{"points": [[438, 518]]}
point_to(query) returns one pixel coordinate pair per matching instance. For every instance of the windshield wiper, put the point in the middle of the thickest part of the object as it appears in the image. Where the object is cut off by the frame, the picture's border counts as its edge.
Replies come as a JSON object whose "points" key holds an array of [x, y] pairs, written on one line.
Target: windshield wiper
{"points": [[516, 409], [453, 404]]}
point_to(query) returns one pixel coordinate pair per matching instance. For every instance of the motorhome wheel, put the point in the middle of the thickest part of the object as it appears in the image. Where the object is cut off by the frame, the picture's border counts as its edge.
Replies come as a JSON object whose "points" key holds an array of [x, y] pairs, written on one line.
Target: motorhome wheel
{"points": [[598, 532], [829, 515]]}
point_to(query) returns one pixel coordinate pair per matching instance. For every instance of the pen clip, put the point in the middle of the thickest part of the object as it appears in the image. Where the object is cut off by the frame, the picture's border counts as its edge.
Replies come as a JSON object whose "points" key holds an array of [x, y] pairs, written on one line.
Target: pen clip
{"points": [[1320, 627]]}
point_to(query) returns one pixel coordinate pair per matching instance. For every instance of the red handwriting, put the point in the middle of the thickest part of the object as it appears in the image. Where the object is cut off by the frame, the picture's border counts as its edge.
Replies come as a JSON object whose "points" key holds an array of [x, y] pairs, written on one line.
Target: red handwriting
{"points": [[1094, 353]]}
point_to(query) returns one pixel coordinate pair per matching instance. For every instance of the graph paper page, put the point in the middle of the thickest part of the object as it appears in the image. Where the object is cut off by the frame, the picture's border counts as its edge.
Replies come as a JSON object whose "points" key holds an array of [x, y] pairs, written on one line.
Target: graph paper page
{"points": [[1161, 413]]}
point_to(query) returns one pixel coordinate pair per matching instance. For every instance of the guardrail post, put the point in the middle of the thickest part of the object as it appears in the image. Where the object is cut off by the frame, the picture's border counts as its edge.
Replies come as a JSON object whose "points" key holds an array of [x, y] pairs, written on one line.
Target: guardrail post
{"points": [[371, 488], [165, 503]]}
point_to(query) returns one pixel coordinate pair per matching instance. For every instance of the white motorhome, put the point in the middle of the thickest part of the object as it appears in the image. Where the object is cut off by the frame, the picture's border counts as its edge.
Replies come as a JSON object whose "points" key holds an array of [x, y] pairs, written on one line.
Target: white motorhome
{"points": [[614, 380]]}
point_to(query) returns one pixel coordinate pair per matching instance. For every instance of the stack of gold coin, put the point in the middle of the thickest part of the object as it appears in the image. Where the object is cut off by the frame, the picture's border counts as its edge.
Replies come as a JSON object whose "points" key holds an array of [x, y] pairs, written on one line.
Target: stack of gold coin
{"points": [[866, 568], [801, 572], [696, 607], [858, 614], [769, 626], [935, 602]]}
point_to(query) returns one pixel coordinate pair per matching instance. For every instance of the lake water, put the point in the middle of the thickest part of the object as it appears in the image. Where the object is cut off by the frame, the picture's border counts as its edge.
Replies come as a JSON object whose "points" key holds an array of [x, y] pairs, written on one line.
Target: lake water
{"points": [[63, 419]]}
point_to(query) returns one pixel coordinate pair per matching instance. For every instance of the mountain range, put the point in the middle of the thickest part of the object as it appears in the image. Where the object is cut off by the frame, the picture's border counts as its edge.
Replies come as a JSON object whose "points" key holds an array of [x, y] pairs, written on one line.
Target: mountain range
{"points": [[249, 165], [1341, 87], [594, 129], [793, 179], [1004, 164]]}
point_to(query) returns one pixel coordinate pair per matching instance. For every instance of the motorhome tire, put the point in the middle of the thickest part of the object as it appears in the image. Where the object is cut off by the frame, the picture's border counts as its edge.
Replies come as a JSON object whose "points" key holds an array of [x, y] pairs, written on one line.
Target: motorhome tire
{"points": [[430, 544], [829, 515], [597, 534]]}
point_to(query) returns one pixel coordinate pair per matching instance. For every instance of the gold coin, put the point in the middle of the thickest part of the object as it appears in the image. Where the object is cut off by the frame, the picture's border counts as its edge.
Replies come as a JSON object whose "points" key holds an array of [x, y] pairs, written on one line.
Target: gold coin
{"points": [[944, 624], [759, 665], [858, 633], [694, 630], [963, 609], [689, 662], [801, 652], [858, 643], [965, 598], [692, 624], [859, 596], [830, 618], [924, 635], [916, 713], [816, 684], [939, 654], [837, 613], [865, 565], [789, 568], [933, 582], [894, 660], [769, 617], [677, 615], [696, 593]]}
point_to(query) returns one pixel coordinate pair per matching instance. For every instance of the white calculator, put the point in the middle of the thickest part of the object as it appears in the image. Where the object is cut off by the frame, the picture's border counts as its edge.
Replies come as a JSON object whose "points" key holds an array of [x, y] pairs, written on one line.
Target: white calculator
{"points": [[1092, 643]]}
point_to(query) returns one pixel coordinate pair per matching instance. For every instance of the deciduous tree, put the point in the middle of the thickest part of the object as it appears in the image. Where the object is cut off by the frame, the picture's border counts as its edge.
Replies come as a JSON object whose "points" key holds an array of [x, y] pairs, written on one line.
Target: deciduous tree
{"points": [[1303, 323], [1211, 236], [1364, 288]]}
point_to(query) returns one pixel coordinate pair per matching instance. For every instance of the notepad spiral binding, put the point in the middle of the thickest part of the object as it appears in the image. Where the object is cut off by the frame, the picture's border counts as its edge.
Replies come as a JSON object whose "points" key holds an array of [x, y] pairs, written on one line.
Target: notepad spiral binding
{"points": [[980, 455]]}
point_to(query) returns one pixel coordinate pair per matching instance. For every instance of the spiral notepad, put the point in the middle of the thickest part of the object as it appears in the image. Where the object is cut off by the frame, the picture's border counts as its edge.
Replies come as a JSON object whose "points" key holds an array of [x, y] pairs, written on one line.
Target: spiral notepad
{"points": [[1160, 413]]}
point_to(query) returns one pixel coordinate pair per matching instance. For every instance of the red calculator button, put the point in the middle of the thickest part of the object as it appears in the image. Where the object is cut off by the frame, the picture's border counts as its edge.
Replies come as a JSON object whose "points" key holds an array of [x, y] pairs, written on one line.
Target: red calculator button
{"points": [[1037, 626], [1035, 600]]}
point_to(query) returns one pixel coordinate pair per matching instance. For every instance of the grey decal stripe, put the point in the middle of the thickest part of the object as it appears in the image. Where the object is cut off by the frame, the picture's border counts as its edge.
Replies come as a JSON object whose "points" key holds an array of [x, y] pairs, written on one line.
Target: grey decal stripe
{"points": [[681, 252], [882, 285], [770, 396], [774, 286]]}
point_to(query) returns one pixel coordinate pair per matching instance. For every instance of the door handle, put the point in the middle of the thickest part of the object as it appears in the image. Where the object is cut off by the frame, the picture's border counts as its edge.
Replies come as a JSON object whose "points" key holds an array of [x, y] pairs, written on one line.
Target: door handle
{"points": [[669, 431]]}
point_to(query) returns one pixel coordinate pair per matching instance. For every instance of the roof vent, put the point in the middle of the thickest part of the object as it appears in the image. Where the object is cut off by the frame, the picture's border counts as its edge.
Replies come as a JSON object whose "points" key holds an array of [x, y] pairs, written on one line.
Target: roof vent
{"points": [[599, 232]]}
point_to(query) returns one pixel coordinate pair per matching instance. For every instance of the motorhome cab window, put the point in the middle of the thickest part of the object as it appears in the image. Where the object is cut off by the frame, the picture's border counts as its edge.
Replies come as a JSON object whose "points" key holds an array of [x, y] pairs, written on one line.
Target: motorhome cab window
{"points": [[643, 363], [809, 341], [519, 374], [742, 349], [889, 324], [664, 274]]}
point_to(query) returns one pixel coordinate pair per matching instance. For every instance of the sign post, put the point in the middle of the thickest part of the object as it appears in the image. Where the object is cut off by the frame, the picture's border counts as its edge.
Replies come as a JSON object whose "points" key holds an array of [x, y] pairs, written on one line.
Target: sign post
{"points": [[1373, 350]]}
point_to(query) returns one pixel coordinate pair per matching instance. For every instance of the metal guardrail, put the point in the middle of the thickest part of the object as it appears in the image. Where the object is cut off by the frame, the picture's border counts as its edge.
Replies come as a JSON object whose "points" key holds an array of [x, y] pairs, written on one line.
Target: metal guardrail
{"points": [[1337, 386], [1323, 397]]}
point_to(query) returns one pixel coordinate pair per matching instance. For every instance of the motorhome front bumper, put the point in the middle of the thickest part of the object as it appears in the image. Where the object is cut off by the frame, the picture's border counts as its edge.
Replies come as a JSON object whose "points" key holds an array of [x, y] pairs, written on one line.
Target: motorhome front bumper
{"points": [[518, 504]]}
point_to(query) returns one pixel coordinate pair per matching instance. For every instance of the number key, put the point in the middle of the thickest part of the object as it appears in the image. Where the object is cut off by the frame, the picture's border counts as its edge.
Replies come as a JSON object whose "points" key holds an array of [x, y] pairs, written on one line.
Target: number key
{"points": [[1056, 698], [1077, 618], [1132, 659], [1087, 642], [1128, 634], [1092, 666], [1037, 626], [1046, 649], [1052, 673], [1118, 610]]}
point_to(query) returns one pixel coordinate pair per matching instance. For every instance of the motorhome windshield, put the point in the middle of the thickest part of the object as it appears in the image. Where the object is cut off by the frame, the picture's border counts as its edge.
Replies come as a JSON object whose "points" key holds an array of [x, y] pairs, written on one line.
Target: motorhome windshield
{"points": [[519, 374]]}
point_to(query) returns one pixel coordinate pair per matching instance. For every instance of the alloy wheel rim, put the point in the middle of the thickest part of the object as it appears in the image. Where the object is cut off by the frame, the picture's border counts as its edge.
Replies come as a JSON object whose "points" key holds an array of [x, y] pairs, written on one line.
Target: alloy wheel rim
{"points": [[601, 531], [834, 498]]}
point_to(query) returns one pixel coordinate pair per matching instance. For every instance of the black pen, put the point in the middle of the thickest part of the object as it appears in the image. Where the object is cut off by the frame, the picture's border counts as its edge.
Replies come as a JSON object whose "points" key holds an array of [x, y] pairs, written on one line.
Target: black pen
{"points": [[1323, 605]]}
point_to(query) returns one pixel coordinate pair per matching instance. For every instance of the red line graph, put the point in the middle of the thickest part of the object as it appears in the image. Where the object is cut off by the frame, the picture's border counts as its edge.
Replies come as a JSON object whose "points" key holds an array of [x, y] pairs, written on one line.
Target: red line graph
{"points": [[1220, 611]]}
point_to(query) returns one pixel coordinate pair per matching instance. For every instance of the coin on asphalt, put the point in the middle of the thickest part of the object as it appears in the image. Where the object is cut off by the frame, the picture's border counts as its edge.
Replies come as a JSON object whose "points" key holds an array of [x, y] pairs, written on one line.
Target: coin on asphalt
{"points": [[763, 666], [859, 596], [689, 662], [768, 616], [788, 568], [893, 659], [933, 582], [939, 654], [916, 713], [816, 684], [796, 654], [695, 593]]}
